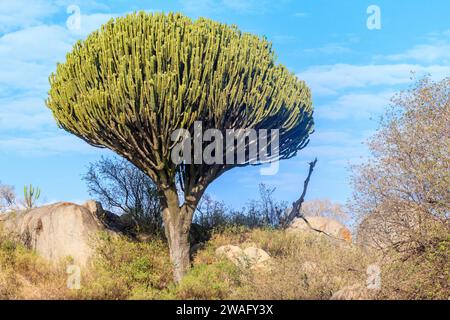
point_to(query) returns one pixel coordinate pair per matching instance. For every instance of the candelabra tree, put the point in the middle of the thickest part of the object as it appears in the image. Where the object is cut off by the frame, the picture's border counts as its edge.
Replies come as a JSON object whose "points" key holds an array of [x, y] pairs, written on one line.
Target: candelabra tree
{"points": [[131, 84]]}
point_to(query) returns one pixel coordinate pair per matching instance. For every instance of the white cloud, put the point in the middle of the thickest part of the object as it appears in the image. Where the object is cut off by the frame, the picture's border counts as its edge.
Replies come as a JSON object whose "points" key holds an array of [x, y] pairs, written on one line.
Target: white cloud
{"points": [[427, 53], [209, 6], [28, 56], [355, 106], [44, 43], [45, 144], [23, 13], [330, 48], [436, 49], [25, 114], [330, 79]]}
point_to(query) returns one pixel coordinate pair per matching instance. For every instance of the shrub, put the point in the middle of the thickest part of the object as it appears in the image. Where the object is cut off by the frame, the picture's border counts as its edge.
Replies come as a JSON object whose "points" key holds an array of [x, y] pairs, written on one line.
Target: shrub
{"points": [[420, 276], [124, 268], [24, 275], [209, 281]]}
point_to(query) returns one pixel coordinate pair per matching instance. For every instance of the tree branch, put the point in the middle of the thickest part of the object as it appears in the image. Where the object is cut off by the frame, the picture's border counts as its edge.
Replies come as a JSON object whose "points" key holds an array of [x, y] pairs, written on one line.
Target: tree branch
{"points": [[297, 205]]}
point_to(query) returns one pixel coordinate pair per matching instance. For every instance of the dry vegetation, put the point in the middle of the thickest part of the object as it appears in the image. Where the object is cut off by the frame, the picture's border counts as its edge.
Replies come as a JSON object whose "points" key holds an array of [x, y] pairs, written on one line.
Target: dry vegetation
{"points": [[402, 198], [302, 267]]}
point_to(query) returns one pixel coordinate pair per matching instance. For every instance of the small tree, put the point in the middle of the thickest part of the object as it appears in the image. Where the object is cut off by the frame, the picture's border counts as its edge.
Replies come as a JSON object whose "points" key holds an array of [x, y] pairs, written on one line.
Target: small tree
{"points": [[130, 85], [402, 193], [7, 197], [126, 190]]}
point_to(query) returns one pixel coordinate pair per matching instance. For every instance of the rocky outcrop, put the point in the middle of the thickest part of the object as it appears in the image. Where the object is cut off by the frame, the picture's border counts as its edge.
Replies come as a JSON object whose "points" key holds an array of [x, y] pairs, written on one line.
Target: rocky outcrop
{"points": [[251, 257], [323, 225], [60, 230]]}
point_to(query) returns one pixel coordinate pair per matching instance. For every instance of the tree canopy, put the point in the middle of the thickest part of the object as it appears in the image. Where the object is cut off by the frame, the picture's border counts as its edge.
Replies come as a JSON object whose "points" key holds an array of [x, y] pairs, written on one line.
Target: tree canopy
{"points": [[132, 84], [129, 85]]}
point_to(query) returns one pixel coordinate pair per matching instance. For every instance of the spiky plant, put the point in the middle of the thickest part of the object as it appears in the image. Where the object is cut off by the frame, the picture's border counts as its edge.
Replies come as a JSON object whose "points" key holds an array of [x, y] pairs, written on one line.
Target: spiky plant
{"points": [[132, 83], [31, 195]]}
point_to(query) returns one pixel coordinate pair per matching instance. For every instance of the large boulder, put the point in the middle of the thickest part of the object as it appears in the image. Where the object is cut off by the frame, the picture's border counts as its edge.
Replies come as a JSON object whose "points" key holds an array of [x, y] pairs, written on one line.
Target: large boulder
{"points": [[59, 230], [251, 257], [324, 225]]}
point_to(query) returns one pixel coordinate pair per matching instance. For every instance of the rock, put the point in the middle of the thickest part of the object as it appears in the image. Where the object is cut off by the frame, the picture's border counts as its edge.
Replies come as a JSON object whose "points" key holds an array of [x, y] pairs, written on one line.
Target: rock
{"points": [[250, 257], [255, 257], [323, 224], [232, 253], [309, 267], [354, 292], [59, 230]]}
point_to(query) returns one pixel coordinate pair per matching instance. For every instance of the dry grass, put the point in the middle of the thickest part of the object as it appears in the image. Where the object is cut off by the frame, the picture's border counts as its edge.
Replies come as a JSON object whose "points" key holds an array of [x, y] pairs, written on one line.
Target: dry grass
{"points": [[303, 267], [24, 275]]}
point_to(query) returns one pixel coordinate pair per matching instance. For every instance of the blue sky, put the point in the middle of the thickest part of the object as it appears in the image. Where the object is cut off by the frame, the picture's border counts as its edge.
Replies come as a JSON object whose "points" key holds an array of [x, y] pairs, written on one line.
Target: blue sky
{"points": [[352, 72]]}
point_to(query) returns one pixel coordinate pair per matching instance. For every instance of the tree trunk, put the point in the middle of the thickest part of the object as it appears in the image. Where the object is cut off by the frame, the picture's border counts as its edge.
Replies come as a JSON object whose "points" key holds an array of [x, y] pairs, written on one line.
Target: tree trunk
{"points": [[177, 224], [177, 233]]}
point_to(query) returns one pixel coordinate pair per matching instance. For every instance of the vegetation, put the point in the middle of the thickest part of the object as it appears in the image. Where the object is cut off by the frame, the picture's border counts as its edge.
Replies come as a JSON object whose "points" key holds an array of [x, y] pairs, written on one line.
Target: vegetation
{"points": [[7, 197], [127, 191], [402, 194], [30, 196], [130, 85], [306, 267], [24, 275], [401, 198]]}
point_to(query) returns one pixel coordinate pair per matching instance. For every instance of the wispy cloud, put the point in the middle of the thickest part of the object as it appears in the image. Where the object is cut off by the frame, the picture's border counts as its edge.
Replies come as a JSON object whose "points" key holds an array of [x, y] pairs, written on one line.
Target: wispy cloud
{"points": [[331, 79], [428, 53], [23, 13], [44, 144], [355, 106], [215, 6], [436, 49], [89, 23], [330, 48], [27, 114], [29, 54]]}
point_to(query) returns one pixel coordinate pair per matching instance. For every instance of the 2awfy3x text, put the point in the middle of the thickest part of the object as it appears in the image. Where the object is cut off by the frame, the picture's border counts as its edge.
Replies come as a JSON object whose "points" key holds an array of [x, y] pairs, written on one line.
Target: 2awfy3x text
{"points": [[229, 309]]}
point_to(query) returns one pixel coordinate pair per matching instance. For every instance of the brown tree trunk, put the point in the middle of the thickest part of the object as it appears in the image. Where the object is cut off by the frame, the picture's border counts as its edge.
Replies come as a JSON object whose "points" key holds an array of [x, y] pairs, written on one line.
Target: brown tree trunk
{"points": [[177, 224], [177, 234]]}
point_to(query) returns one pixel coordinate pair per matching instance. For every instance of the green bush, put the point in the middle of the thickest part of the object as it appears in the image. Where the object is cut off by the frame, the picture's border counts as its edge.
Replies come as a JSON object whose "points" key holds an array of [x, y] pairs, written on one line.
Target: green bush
{"points": [[209, 281], [124, 267]]}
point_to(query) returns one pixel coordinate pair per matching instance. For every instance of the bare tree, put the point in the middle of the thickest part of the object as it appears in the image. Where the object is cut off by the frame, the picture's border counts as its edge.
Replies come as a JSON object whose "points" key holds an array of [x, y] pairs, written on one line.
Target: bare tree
{"points": [[296, 209], [7, 198], [402, 194], [126, 190]]}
